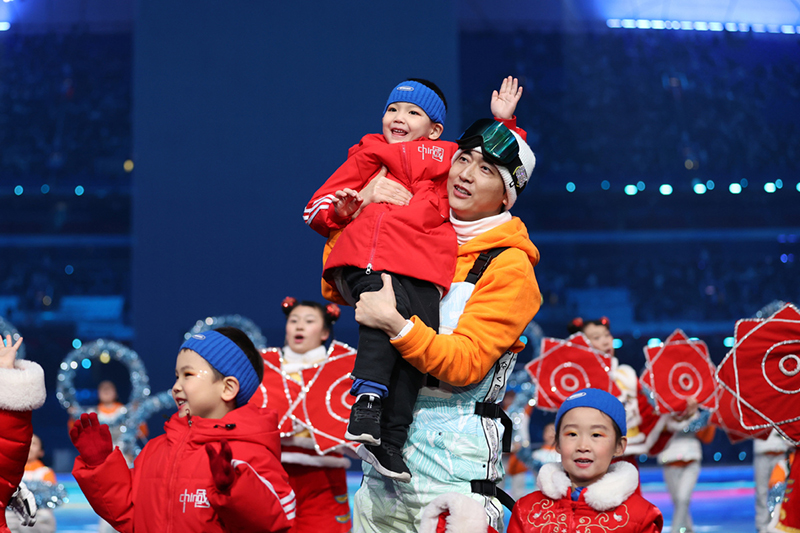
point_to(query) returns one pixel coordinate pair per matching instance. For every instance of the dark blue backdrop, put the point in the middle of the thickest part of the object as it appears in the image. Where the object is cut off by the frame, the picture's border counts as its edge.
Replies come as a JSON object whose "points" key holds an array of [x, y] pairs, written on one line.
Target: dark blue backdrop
{"points": [[241, 111]]}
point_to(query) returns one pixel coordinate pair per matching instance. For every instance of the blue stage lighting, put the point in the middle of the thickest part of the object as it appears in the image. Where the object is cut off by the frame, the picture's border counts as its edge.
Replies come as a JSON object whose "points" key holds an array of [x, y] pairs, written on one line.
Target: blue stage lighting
{"points": [[617, 344], [76, 343], [570, 187], [710, 185], [640, 185], [770, 187], [605, 185], [699, 188], [665, 189], [5, 26], [728, 342], [18, 190], [630, 190], [79, 190], [68, 270], [735, 188], [45, 189]]}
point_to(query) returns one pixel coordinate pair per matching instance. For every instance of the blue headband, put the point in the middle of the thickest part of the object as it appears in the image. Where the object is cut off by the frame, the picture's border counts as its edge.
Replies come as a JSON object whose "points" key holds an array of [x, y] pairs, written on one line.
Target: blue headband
{"points": [[228, 359], [601, 400], [418, 94]]}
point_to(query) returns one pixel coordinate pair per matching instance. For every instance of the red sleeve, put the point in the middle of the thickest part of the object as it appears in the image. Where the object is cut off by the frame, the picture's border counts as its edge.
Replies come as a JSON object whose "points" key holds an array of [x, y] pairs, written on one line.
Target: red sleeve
{"points": [[653, 521], [521, 509], [108, 488], [15, 440], [260, 496], [408, 164]]}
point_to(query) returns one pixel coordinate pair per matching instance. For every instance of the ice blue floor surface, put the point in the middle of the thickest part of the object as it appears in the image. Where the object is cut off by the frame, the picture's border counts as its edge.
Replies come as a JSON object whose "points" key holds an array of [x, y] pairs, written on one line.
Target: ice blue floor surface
{"points": [[722, 502]]}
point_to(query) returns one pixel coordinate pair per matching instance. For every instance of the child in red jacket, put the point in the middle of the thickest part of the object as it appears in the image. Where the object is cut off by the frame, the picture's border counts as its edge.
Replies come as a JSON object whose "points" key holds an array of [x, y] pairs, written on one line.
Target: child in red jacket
{"points": [[413, 242], [21, 391], [585, 491], [217, 467]]}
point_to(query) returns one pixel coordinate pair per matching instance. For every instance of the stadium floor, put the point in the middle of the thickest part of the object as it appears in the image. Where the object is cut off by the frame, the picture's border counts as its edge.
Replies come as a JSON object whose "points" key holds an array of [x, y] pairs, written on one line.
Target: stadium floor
{"points": [[722, 502]]}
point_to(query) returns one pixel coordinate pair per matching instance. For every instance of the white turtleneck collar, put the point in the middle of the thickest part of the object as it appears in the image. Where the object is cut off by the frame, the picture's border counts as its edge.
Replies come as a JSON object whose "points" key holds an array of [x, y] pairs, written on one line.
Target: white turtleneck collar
{"points": [[466, 230], [295, 362]]}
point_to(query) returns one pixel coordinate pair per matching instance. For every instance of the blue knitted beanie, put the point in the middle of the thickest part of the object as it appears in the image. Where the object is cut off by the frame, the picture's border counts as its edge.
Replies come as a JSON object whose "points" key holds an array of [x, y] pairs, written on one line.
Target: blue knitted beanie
{"points": [[420, 95], [228, 359], [598, 399]]}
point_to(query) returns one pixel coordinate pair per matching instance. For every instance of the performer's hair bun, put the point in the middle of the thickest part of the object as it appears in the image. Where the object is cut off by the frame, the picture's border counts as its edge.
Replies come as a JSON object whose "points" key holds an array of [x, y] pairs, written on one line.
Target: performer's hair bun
{"points": [[330, 313], [578, 324]]}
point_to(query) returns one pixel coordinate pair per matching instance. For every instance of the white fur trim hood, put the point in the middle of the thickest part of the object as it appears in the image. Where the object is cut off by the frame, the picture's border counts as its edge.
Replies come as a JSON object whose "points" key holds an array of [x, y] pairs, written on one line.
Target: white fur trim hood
{"points": [[606, 493], [22, 387], [466, 515]]}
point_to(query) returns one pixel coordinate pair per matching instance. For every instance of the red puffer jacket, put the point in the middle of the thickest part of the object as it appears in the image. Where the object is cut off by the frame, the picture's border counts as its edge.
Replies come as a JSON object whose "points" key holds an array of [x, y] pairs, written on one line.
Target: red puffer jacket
{"points": [[416, 240], [170, 488], [609, 504], [21, 391]]}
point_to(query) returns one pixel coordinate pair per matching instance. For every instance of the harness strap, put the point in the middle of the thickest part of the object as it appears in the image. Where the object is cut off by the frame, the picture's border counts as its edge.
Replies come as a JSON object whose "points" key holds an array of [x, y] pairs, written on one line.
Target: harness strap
{"points": [[480, 264], [489, 488], [492, 410]]}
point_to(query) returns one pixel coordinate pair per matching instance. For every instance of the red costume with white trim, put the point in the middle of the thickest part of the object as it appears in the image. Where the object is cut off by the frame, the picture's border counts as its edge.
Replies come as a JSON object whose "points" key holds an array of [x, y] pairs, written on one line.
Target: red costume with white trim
{"points": [[316, 467], [609, 504], [21, 391], [171, 489]]}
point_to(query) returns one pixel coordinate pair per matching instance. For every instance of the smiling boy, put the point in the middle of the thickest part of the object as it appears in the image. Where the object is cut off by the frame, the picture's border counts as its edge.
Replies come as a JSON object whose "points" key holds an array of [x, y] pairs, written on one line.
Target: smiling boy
{"points": [[586, 488], [217, 467]]}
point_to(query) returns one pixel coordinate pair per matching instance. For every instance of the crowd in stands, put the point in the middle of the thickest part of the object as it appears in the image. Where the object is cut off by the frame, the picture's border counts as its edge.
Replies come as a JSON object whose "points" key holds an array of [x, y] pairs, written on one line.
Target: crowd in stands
{"points": [[66, 101], [687, 282], [642, 103]]}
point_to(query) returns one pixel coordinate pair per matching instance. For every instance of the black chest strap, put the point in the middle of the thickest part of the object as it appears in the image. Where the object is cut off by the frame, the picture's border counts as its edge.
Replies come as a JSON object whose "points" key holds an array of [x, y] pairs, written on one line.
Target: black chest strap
{"points": [[481, 263], [489, 488]]}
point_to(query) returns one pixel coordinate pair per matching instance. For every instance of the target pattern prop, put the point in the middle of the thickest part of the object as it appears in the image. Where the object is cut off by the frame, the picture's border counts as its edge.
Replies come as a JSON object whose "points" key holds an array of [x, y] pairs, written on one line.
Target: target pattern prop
{"points": [[568, 365], [677, 369], [762, 373], [320, 402]]}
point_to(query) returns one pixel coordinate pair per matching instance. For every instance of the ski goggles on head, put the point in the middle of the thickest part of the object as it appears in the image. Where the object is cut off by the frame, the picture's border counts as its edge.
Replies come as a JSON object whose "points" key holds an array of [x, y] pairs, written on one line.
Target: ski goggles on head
{"points": [[496, 141]]}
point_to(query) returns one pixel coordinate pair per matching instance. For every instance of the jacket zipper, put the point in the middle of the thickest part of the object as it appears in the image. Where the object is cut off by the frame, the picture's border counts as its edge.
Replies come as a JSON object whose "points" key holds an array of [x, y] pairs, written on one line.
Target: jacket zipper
{"points": [[173, 475], [374, 244]]}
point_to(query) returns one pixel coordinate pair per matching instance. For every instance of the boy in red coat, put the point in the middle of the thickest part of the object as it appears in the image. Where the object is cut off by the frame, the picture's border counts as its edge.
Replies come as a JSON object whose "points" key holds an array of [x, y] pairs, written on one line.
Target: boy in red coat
{"points": [[413, 242], [217, 467], [585, 489], [21, 391]]}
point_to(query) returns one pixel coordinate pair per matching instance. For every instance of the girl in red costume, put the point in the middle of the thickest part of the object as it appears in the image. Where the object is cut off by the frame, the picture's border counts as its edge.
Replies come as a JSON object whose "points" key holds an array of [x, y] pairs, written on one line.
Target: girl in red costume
{"points": [[21, 391], [319, 481]]}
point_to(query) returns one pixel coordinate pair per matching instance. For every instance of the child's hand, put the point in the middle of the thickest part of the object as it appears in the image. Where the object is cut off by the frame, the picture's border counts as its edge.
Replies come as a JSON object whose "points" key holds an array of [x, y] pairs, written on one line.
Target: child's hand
{"points": [[91, 438], [221, 467], [8, 351], [504, 102], [347, 202]]}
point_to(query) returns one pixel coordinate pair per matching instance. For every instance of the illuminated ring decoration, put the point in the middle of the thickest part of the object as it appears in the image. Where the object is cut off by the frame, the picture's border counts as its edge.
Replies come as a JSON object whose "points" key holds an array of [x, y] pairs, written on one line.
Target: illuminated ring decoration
{"points": [[47, 494], [782, 366], [237, 321], [7, 328], [138, 408], [689, 373], [569, 365]]}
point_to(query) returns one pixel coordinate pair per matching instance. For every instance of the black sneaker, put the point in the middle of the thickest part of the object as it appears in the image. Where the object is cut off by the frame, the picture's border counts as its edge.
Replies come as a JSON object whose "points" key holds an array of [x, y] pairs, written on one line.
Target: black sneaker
{"points": [[365, 420], [387, 459]]}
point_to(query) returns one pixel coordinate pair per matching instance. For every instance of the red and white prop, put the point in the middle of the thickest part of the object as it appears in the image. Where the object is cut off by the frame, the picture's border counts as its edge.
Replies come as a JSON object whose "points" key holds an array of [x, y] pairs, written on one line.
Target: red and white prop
{"points": [[678, 369], [726, 417], [568, 365], [762, 373], [320, 404]]}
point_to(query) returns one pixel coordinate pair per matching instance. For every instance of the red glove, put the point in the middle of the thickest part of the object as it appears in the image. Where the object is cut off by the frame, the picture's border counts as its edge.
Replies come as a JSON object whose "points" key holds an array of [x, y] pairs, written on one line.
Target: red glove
{"points": [[221, 467], [91, 438]]}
